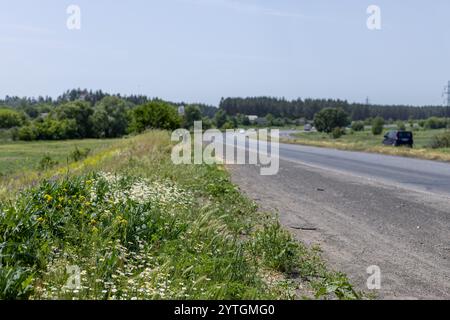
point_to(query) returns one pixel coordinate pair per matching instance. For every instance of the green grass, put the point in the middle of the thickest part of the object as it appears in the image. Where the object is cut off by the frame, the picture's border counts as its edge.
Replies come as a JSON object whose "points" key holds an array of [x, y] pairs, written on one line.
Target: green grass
{"points": [[366, 141], [139, 227], [422, 138], [16, 157]]}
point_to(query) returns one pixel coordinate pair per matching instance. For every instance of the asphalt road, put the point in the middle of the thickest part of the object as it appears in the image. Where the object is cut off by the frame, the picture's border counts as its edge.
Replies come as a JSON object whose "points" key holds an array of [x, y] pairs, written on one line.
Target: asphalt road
{"points": [[421, 175], [364, 210]]}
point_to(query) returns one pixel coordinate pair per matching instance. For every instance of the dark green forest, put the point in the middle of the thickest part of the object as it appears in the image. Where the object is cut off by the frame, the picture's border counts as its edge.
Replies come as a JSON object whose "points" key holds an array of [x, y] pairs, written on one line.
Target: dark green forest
{"points": [[307, 109]]}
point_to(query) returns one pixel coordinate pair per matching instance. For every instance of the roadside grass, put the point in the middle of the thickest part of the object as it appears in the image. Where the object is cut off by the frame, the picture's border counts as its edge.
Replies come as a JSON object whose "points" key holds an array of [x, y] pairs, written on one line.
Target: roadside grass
{"points": [[16, 157], [136, 226], [365, 141]]}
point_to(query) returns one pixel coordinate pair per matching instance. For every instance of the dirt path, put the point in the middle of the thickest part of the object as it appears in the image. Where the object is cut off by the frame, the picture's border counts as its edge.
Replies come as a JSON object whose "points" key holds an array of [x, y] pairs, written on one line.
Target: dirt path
{"points": [[359, 223]]}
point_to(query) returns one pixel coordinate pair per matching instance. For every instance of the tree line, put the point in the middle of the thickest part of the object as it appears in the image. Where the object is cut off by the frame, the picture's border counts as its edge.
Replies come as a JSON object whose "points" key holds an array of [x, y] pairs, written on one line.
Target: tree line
{"points": [[308, 108], [79, 114]]}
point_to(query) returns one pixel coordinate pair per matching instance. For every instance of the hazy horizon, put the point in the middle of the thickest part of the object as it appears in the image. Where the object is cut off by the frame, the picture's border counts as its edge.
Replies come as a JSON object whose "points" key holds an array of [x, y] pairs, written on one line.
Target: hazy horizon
{"points": [[202, 50]]}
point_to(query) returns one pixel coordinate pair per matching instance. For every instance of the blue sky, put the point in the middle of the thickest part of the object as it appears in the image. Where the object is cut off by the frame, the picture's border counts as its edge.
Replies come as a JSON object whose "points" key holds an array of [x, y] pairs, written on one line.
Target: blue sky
{"points": [[202, 50]]}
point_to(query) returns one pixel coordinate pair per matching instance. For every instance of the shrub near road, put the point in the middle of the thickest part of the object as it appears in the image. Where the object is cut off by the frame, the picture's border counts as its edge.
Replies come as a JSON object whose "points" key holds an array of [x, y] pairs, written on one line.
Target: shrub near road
{"points": [[138, 227], [328, 120]]}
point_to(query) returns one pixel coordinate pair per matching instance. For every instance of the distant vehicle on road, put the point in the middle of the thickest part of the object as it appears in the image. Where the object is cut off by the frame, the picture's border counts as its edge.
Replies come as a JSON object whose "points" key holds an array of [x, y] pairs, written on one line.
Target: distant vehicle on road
{"points": [[399, 138]]}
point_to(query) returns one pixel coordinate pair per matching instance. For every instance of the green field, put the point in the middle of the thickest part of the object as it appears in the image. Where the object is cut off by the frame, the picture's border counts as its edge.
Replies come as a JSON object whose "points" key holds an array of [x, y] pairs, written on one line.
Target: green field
{"points": [[366, 141], [21, 156]]}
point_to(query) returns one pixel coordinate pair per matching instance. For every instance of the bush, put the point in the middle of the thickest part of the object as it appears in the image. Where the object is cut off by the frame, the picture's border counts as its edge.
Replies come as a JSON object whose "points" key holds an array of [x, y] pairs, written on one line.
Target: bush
{"points": [[14, 134], [10, 119], [79, 115], [329, 119], [228, 126], [47, 162], [78, 120], [368, 121], [358, 126], [51, 129], [337, 133], [220, 118], [377, 126], [401, 126], [191, 114], [435, 123], [441, 141], [207, 123], [79, 154], [154, 115], [110, 118], [27, 133], [48, 129]]}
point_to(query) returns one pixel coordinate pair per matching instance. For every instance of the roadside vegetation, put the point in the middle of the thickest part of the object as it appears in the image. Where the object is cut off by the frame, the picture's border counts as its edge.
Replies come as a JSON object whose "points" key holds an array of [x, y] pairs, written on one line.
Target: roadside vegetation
{"points": [[333, 129], [136, 226], [82, 114], [428, 144]]}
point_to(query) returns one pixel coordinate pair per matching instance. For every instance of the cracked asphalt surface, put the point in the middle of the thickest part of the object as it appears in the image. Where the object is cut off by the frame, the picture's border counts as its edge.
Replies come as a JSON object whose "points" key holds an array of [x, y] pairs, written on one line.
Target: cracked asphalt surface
{"points": [[364, 210]]}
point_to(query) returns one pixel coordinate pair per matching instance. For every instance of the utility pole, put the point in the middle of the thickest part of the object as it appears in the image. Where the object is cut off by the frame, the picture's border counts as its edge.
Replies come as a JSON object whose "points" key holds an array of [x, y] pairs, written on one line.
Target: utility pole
{"points": [[447, 95], [447, 92]]}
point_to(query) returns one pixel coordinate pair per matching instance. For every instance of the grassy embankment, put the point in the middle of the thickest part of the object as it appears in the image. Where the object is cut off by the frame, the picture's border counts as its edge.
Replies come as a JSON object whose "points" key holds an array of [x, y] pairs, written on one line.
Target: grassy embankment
{"points": [[138, 227], [367, 142]]}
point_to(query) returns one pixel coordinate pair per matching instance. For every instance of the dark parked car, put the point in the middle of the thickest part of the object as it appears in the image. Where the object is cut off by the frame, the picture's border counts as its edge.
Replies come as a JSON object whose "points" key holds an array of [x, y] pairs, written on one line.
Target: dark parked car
{"points": [[399, 138]]}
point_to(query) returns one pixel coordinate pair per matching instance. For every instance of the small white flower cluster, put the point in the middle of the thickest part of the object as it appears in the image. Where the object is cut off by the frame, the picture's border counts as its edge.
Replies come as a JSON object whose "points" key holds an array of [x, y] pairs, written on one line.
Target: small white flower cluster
{"points": [[142, 191], [109, 177], [139, 276]]}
